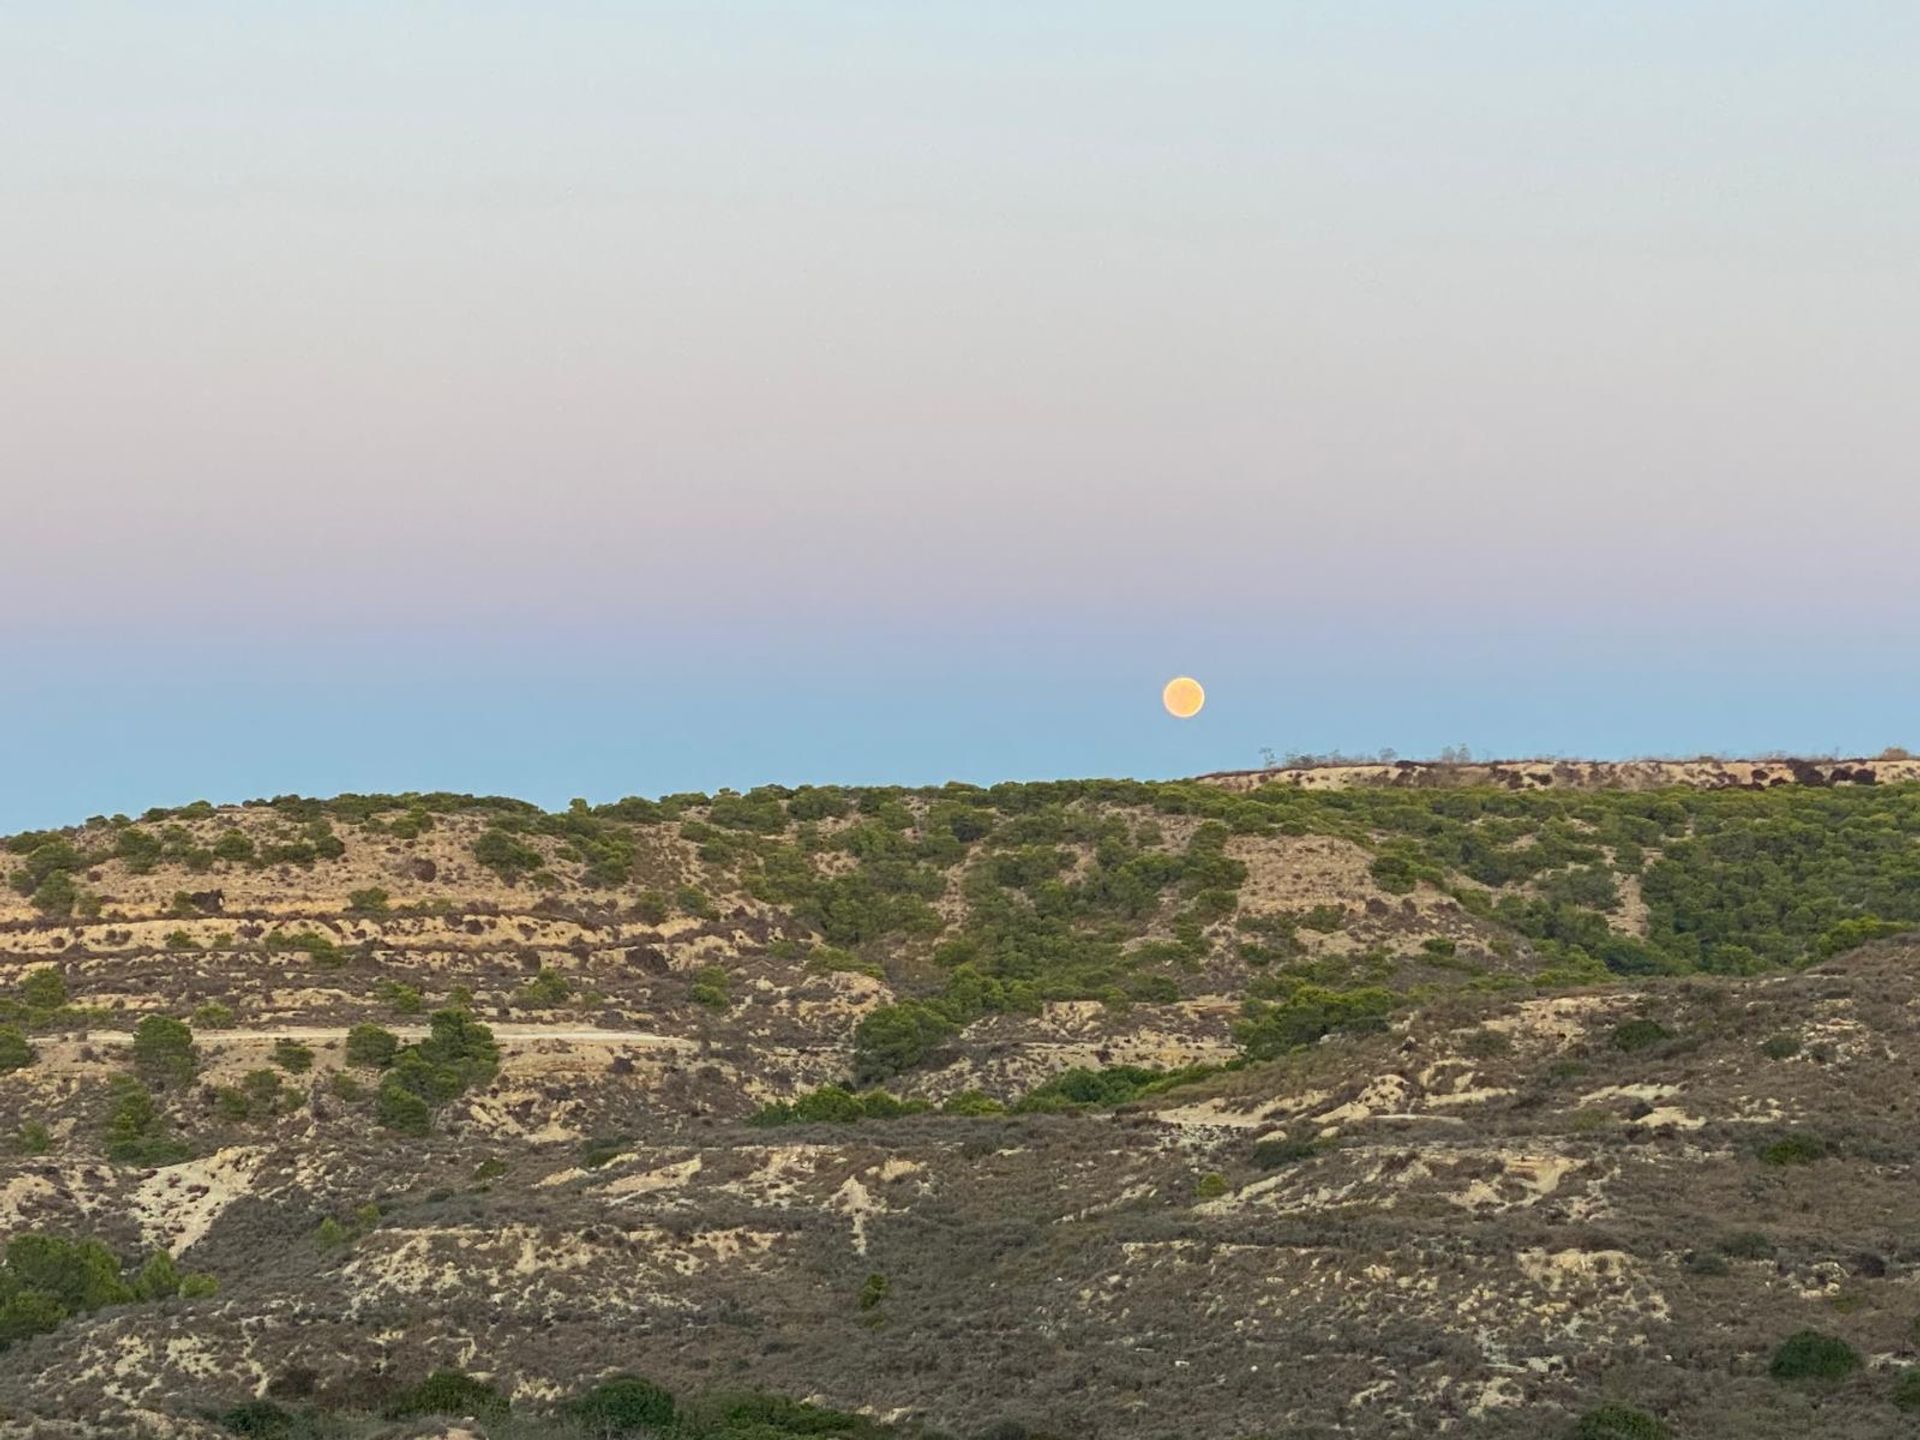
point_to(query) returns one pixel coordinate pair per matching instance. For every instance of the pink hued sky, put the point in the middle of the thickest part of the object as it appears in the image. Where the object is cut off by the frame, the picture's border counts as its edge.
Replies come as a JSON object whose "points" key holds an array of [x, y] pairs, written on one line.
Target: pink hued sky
{"points": [[612, 399]]}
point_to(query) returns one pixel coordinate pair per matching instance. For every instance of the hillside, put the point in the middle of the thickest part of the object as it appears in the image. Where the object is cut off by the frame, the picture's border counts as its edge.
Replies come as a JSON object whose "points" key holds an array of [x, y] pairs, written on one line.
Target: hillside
{"points": [[1237, 1107]]}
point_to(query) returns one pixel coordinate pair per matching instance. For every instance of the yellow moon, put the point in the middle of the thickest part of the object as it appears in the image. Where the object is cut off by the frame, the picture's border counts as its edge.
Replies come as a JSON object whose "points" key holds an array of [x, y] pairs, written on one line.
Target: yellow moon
{"points": [[1183, 697]]}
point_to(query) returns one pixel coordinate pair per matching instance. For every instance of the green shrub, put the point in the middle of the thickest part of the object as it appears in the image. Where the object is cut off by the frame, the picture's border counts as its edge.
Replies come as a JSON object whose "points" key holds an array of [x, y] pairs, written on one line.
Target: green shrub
{"points": [[873, 1290], [371, 1047], [1281, 1150], [1796, 1147], [43, 989], [895, 1038], [373, 901], [1746, 1245], [293, 1057], [213, 1015], [1266, 1030], [198, 1285], [693, 901], [1906, 1389], [158, 1279], [32, 1138], [258, 1419], [836, 1105], [973, 1102], [1810, 1355], [136, 1131], [623, 1405], [15, 1052], [234, 846], [448, 1392], [1618, 1422], [457, 1054], [712, 988], [1780, 1047], [1638, 1034], [403, 999], [506, 855], [547, 990], [603, 1150], [1210, 1186], [163, 1050], [399, 1108]]}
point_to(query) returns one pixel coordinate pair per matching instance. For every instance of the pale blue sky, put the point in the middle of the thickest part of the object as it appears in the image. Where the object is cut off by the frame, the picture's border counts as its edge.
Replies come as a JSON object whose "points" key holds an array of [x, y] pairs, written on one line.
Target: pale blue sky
{"points": [[604, 399]]}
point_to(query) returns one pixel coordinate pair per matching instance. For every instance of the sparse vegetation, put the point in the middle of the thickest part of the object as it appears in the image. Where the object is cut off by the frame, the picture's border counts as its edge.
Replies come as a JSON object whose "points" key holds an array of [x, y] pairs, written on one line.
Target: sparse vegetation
{"points": [[1006, 927]]}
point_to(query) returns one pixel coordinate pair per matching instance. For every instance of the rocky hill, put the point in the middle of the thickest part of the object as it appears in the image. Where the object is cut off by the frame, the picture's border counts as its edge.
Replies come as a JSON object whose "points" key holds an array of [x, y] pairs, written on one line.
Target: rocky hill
{"points": [[1223, 1108]]}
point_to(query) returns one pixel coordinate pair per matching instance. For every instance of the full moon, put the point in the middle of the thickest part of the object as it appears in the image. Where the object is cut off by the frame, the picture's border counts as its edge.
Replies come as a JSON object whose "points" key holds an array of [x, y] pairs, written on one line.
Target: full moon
{"points": [[1183, 697]]}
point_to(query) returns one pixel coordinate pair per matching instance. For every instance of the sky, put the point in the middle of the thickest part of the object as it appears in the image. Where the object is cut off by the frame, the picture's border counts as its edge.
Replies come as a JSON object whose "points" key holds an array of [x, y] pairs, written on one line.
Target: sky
{"points": [[617, 399]]}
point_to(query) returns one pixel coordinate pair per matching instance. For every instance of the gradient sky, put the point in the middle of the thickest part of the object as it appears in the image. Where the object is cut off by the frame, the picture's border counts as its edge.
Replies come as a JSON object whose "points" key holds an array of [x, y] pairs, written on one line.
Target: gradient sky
{"points": [[602, 399]]}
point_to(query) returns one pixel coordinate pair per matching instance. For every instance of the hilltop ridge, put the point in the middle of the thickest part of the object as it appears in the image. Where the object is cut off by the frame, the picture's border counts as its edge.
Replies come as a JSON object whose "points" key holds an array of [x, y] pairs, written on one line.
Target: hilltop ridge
{"points": [[1705, 772]]}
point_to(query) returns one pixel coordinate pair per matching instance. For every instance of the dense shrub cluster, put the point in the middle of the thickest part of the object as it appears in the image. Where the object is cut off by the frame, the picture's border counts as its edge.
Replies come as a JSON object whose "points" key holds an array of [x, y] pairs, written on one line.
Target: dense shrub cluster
{"points": [[457, 1054], [47, 1279], [1085, 1089]]}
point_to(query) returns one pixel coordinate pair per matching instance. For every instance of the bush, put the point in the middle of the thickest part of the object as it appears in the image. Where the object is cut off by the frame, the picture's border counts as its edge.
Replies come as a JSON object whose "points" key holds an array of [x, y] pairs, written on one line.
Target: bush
{"points": [[1638, 1034], [1210, 1186], [163, 1050], [136, 1131], [1746, 1245], [32, 1138], [159, 1278], [1618, 1422], [399, 1108], [259, 1420], [1810, 1355], [448, 1392], [973, 1102], [506, 855], [1283, 1150], [623, 1405], [1266, 1031], [213, 1015], [1780, 1047], [44, 989], [458, 1053], [404, 999], [895, 1038], [15, 1052], [1906, 1390], [693, 901], [711, 988], [371, 1046], [293, 1057], [548, 989], [1796, 1147], [373, 901]]}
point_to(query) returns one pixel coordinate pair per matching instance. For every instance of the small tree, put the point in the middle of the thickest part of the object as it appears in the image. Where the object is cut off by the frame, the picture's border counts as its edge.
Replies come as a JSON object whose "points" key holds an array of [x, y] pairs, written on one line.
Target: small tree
{"points": [[15, 1052], [371, 1046], [44, 989], [623, 1405], [1812, 1356], [163, 1050]]}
